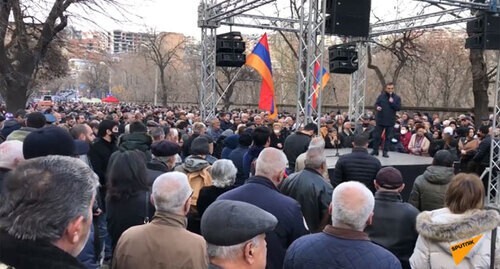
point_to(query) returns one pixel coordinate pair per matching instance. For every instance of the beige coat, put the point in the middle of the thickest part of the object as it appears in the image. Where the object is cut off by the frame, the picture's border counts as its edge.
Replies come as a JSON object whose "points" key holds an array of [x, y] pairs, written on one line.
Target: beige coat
{"points": [[424, 146], [440, 229], [163, 243]]}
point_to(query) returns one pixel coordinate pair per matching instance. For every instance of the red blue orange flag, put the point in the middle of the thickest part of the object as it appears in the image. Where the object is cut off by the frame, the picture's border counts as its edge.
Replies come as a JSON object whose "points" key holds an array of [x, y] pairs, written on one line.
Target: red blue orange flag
{"points": [[260, 60], [321, 77]]}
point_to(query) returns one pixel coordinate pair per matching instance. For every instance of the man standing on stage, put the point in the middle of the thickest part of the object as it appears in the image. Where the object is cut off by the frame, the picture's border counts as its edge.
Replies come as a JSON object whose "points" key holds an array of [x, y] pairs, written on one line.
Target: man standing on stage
{"points": [[387, 104]]}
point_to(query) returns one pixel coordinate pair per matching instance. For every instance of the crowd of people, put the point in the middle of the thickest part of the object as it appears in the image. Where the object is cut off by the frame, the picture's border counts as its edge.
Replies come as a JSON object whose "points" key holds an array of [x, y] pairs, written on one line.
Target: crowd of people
{"points": [[137, 186]]}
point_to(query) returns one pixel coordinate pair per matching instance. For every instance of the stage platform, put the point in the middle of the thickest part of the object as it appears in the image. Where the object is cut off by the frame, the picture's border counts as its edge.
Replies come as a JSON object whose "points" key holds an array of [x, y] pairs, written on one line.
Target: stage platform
{"points": [[410, 166]]}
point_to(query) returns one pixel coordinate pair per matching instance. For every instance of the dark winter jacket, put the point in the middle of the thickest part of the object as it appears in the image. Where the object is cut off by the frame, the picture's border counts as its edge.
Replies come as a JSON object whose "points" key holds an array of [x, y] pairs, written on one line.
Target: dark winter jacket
{"points": [[230, 143], [338, 248], [262, 193], [137, 141], [26, 254], [21, 133], [358, 166], [99, 155], [277, 141], [9, 126], [248, 158], [387, 116], [346, 139], [236, 156], [429, 188], [295, 144], [125, 213], [483, 152], [313, 193], [393, 225], [208, 195]]}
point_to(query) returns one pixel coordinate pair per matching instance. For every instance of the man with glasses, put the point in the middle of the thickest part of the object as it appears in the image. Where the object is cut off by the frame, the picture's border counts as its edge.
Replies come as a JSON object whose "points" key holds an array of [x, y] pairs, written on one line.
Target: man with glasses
{"points": [[165, 242], [387, 104]]}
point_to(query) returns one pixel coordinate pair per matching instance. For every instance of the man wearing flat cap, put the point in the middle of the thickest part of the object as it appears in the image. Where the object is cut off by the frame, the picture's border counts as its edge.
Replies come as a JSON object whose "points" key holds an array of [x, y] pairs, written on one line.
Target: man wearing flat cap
{"points": [[241, 243], [164, 153], [261, 190], [394, 221]]}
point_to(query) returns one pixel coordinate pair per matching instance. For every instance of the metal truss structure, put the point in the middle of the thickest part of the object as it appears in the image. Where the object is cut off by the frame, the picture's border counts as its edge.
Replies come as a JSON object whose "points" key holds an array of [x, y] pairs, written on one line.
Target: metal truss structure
{"points": [[493, 191], [310, 27]]}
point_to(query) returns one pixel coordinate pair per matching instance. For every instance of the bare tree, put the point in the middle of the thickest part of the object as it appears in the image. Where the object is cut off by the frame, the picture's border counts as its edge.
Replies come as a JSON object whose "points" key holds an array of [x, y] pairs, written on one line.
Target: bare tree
{"points": [[404, 49], [96, 78], [26, 32], [163, 49]]}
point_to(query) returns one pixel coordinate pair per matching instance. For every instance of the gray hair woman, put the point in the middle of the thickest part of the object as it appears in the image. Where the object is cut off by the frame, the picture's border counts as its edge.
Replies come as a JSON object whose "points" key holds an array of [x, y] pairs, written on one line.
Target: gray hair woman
{"points": [[223, 177]]}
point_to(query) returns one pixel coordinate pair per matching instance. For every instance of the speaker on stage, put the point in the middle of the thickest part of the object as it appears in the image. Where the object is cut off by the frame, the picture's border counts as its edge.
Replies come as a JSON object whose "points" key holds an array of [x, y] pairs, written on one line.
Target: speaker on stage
{"points": [[348, 17]]}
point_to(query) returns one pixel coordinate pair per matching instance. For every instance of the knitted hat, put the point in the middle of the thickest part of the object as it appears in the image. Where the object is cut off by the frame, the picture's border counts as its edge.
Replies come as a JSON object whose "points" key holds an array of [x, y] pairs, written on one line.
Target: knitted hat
{"points": [[48, 141]]}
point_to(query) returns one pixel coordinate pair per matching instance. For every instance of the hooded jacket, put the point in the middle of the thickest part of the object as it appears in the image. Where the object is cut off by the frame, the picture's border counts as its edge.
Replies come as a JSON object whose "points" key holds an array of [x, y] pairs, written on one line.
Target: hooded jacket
{"points": [[21, 133], [440, 231], [230, 143], [198, 173], [9, 126], [430, 187], [137, 141]]}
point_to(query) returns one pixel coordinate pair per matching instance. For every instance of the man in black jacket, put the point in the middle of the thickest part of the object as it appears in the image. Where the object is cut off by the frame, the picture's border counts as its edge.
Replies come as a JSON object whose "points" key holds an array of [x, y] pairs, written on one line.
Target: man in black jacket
{"points": [[310, 189], [393, 225], [357, 166], [387, 104], [482, 158], [297, 143]]}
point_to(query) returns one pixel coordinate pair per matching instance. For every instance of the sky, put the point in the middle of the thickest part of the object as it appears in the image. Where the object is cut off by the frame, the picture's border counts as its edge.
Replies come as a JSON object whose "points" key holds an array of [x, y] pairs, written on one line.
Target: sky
{"points": [[182, 15]]}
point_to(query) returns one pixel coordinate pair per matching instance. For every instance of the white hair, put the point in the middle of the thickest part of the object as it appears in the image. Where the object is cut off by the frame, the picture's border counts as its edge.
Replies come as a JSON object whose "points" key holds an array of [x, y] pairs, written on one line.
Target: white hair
{"points": [[173, 132], [270, 162], [352, 204], [223, 173], [229, 252], [170, 192], [317, 142], [11, 154], [315, 158]]}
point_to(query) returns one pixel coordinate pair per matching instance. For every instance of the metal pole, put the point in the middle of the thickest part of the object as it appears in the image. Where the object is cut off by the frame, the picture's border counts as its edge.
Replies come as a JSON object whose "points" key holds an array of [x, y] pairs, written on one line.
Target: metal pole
{"points": [[493, 195], [156, 88]]}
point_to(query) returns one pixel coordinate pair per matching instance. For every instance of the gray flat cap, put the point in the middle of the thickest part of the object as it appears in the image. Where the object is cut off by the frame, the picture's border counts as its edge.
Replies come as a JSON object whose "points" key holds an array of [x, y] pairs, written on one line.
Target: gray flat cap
{"points": [[228, 223]]}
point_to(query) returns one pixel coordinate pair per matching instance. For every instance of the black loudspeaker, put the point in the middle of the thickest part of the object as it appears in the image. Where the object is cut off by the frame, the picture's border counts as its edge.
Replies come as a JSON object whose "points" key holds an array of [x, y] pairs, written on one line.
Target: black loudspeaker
{"points": [[343, 59], [484, 32], [230, 50], [348, 17]]}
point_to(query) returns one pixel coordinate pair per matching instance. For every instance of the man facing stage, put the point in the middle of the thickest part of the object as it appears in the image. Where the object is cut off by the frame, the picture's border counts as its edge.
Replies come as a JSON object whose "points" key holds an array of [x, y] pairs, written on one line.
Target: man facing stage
{"points": [[387, 104]]}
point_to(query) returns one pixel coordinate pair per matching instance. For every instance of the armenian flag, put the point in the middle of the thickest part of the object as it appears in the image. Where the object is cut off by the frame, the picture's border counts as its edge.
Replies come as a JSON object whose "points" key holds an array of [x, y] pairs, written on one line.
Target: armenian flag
{"points": [[321, 77], [260, 60]]}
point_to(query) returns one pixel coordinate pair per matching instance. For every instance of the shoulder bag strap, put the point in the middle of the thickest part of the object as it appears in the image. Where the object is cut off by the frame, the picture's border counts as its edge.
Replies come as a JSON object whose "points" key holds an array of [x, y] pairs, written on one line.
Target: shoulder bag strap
{"points": [[146, 218], [493, 245]]}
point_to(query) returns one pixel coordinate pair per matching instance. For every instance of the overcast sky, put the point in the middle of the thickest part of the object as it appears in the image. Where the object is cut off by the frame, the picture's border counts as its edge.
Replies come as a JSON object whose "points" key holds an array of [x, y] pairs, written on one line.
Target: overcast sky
{"points": [[182, 15]]}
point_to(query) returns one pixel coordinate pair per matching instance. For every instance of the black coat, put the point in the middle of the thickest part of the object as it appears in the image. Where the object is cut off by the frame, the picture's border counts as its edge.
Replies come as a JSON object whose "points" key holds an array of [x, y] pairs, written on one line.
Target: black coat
{"points": [[236, 157], [26, 254], [387, 116], [207, 196], [125, 213], [359, 166], [313, 193], [393, 225], [483, 152], [295, 144], [99, 155]]}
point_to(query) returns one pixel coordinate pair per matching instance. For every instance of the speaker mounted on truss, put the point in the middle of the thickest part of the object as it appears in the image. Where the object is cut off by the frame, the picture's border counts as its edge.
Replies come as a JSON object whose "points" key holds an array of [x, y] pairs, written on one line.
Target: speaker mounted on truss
{"points": [[343, 59], [484, 32], [348, 17], [230, 50]]}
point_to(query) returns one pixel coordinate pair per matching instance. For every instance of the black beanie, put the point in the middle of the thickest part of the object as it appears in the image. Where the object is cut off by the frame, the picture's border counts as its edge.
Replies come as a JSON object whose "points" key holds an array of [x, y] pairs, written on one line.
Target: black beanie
{"points": [[46, 141]]}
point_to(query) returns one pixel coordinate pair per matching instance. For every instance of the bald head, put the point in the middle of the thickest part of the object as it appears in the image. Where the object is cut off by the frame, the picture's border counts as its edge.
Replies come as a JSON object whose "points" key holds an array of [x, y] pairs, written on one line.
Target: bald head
{"points": [[352, 206], [171, 192], [11, 154], [271, 164]]}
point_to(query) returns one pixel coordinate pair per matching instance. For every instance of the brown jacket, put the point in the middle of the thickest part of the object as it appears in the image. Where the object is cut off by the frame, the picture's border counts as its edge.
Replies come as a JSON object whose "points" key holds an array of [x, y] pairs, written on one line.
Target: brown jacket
{"points": [[163, 243]]}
